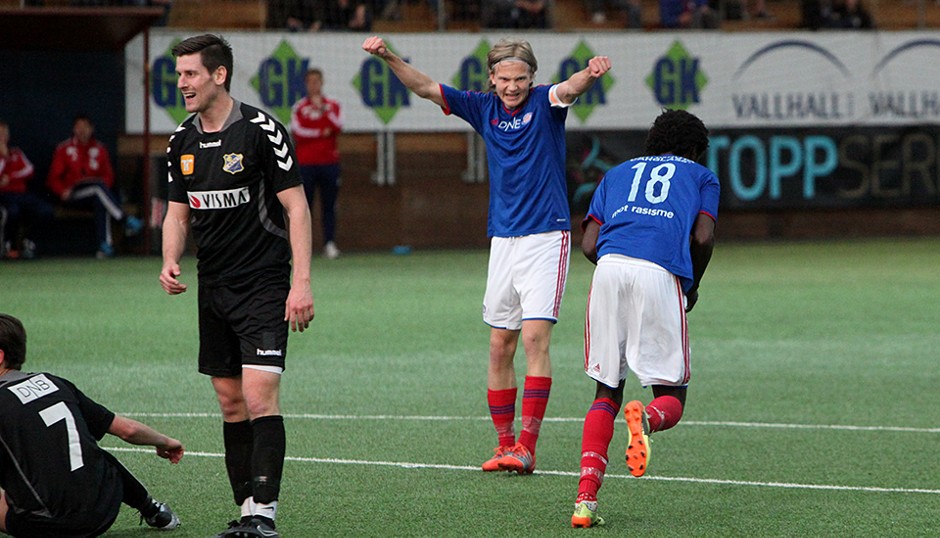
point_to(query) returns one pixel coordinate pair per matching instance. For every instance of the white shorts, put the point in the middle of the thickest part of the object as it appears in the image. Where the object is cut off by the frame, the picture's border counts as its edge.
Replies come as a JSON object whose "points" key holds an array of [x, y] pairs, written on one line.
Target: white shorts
{"points": [[636, 320], [526, 278]]}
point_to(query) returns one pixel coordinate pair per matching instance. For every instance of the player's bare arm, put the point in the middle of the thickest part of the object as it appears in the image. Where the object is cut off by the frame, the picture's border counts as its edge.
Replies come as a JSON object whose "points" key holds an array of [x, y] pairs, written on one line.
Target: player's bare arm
{"points": [[418, 82], [580, 82], [591, 230], [701, 245], [175, 231], [298, 310], [137, 433]]}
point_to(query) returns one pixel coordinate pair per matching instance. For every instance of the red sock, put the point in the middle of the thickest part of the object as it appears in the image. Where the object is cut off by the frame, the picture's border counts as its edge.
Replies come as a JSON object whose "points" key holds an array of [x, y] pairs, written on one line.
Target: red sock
{"points": [[503, 412], [664, 412], [534, 402], [595, 440]]}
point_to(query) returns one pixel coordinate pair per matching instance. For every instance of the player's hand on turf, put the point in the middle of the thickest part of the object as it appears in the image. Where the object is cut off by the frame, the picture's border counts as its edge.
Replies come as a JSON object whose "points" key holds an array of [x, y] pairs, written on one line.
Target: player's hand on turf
{"points": [[598, 65], [299, 309], [173, 451], [168, 279], [375, 45], [690, 299]]}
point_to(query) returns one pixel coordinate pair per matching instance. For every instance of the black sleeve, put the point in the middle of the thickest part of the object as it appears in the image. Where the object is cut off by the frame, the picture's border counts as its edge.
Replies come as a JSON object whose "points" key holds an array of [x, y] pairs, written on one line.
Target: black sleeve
{"points": [[97, 416]]}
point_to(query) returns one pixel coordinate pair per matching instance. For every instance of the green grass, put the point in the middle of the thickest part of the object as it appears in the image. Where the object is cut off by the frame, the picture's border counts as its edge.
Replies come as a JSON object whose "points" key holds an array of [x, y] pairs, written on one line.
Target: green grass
{"points": [[803, 353]]}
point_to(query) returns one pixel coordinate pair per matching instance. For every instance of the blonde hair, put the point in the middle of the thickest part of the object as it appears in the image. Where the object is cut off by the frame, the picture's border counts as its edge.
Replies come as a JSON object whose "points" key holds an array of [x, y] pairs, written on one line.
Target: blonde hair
{"points": [[512, 50]]}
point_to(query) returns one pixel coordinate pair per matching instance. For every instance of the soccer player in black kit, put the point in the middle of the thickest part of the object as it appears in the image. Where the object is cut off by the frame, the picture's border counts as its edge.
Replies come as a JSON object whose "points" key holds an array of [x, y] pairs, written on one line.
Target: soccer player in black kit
{"points": [[56, 481], [233, 181]]}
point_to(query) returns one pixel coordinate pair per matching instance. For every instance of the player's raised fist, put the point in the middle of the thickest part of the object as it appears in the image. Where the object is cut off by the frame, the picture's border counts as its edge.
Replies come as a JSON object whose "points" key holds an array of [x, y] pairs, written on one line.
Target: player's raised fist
{"points": [[375, 45], [598, 65]]}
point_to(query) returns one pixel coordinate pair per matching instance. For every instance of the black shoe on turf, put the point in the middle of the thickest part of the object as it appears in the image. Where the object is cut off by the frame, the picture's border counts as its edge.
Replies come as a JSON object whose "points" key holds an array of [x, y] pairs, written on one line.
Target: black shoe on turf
{"points": [[253, 528], [164, 519]]}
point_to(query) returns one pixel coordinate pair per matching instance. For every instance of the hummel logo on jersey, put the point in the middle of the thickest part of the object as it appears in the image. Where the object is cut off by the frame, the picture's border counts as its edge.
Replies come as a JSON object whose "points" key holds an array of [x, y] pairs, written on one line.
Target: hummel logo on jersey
{"points": [[232, 163], [278, 140], [215, 144], [219, 199], [269, 353], [33, 388]]}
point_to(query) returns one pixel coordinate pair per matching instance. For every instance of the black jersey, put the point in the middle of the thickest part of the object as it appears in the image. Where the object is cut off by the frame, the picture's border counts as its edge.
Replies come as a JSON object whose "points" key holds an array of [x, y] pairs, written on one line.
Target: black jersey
{"points": [[50, 463], [230, 180]]}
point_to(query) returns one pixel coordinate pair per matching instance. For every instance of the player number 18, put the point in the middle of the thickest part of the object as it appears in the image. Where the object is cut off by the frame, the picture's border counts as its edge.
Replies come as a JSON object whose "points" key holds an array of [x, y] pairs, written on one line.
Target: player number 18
{"points": [[659, 175]]}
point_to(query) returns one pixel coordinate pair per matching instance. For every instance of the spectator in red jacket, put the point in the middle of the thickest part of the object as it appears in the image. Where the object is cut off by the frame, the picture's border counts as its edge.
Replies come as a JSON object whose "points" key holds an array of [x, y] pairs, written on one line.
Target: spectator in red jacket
{"points": [[316, 122], [20, 208], [81, 175]]}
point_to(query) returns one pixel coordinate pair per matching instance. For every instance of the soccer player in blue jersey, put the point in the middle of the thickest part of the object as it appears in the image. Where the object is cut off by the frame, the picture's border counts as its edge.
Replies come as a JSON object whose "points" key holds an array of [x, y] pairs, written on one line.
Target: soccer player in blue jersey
{"points": [[523, 127], [650, 229]]}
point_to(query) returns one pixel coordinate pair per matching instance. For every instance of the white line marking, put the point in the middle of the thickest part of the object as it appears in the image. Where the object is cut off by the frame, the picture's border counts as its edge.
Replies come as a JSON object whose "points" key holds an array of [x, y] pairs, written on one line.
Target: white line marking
{"points": [[436, 466], [725, 424]]}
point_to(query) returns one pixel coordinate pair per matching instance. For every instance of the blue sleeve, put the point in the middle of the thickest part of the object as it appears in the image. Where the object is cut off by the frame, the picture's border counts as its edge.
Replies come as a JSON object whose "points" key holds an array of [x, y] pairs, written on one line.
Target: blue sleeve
{"points": [[710, 193], [598, 201], [466, 105]]}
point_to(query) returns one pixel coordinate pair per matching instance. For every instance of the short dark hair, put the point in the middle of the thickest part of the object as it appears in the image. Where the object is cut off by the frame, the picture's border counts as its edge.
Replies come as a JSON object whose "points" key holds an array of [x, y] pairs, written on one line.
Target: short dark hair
{"points": [[12, 342], [81, 116], [678, 132], [214, 51]]}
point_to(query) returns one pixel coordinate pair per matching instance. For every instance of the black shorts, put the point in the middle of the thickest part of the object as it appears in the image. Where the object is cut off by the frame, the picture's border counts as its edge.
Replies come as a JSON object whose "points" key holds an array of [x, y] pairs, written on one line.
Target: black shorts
{"points": [[242, 324], [80, 526]]}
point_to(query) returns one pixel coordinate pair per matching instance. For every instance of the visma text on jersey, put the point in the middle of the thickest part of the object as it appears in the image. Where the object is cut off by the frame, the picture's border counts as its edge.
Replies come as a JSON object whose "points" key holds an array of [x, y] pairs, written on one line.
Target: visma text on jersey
{"points": [[226, 199]]}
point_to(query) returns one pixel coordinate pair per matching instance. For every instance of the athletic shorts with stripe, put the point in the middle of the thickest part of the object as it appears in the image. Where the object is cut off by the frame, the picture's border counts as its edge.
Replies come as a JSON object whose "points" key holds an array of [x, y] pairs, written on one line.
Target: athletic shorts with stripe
{"points": [[526, 278], [243, 325], [636, 320]]}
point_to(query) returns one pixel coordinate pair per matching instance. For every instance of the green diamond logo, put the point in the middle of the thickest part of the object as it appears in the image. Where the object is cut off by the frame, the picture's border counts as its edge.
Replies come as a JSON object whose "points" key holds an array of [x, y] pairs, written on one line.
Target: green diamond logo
{"points": [[279, 80], [163, 79], [473, 74], [677, 79], [597, 94], [380, 89]]}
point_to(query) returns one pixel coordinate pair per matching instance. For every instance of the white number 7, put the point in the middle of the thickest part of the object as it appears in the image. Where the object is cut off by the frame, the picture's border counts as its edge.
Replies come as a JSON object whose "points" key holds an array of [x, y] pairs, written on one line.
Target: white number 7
{"points": [[60, 411]]}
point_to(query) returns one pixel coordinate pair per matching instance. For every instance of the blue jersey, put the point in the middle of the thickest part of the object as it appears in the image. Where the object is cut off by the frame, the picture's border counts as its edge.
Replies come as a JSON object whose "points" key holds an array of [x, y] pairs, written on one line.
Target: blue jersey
{"points": [[525, 150], [647, 206]]}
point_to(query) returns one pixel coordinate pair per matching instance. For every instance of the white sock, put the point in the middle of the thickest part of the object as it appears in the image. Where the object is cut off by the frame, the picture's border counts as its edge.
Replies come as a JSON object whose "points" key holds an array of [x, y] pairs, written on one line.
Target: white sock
{"points": [[248, 507], [268, 510]]}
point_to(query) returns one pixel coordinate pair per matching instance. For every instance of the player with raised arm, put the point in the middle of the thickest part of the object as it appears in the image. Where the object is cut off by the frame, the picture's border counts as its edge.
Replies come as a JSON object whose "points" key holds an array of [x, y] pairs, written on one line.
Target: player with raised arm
{"points": [[650, 229], [233, 180], [523, 127]]}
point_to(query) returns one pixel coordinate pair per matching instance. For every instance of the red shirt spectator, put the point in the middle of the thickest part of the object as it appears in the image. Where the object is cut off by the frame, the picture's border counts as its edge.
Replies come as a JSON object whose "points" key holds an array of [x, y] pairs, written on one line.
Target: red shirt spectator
{"points": [[15, 168], [316, 122], [78, 158]]}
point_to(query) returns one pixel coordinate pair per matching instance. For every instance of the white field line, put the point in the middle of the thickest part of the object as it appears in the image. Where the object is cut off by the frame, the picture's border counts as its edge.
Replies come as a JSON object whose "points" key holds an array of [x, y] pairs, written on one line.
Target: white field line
{"points": [[719, 424], [476, 469]]}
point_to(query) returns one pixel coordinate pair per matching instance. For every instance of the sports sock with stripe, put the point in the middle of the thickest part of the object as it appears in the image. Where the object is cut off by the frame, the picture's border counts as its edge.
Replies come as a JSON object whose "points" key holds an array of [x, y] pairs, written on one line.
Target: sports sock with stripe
{"points": [[664, 412], [534, 401], [503, 412], [595, 441]]}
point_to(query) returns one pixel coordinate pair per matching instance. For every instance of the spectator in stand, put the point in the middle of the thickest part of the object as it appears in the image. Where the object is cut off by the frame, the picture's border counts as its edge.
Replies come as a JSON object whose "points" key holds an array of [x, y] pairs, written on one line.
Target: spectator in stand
{"points": [[515, 14], [848, 15], [315, 124], [687, 14], [343, 15], [20, 209], [293, 15], [81, 175], [631, 10]]}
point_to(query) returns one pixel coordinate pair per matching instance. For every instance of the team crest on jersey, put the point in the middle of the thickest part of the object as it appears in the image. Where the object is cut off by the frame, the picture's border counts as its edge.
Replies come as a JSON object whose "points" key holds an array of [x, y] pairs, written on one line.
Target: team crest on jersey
{"points": [[232, 163], [187, 164]]}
